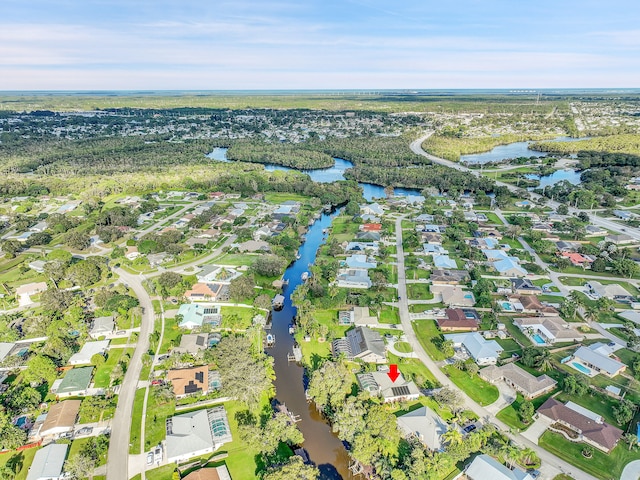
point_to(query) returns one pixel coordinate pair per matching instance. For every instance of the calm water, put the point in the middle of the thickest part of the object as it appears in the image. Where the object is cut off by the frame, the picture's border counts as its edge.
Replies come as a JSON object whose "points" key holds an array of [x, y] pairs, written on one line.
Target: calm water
{"points": [[324, 448], [512, 150], [571, 176], [326, 175]]}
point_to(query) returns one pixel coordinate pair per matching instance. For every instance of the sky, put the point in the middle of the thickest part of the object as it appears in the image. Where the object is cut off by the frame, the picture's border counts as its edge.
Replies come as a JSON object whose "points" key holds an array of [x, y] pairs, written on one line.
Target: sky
{"points": [[318, 44]]}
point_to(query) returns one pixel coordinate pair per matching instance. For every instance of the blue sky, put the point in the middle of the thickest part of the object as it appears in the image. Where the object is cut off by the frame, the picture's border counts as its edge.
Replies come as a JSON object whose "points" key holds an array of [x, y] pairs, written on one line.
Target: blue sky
{"points": [[310, 44]]}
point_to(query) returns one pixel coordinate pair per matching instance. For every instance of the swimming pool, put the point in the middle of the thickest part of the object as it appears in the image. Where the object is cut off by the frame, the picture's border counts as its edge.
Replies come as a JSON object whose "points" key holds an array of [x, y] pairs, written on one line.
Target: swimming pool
{"points": [[506, 306], [538, 339], [581, 368]]}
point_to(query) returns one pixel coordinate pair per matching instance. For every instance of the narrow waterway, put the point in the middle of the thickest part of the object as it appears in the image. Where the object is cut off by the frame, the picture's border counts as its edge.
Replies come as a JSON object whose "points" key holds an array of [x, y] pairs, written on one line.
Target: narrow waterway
{"points": [[323, 447], [511, 150]]}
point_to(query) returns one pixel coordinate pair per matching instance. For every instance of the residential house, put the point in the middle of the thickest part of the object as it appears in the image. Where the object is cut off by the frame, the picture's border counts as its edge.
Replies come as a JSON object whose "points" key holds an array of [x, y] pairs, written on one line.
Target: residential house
{"points": [[495, 255], [88, 350], [431, 228], [371, 227], [368, 236], [483, 243], [196, 433], [132, 253], [24, 292], [520, 380], [565, 246], [360, 261], [510, 267], [372, 209], [524, 204], [189, 381], [425, 425], [74, 384], [454, 296], [594, 230], [431, 238], [379, 384], [578, 260], [458, 320], [37, 265], [196, 315], [61, 418], [286, 209], [102, 327], [621, 239], [597, 359], [524, 286], [358, 316], [252, 246], [623, 215], [444, 262], [424, 218], [353, 278], [370, 248], [217, 273], [192, 343], [433, 249], [612, 291], [361, 343], [5, 349], [532, 304], [39, 227], [449, 277], [485, 467], [550, 329], [206, 292], [48, 462], [483, 352], [589, 426]]}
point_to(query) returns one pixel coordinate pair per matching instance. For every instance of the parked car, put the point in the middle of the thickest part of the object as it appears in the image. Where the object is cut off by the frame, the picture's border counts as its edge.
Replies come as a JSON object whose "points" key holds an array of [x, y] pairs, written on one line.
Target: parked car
{"points": [[150, 458], [66, 435], [85, 431], [158, 453], [155, 383], [469, 428], [121, 332]]}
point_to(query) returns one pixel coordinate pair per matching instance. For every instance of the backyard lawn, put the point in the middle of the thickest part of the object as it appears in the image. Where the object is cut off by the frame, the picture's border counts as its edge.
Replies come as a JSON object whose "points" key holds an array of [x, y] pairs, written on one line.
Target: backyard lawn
{"points": [[102, 378], [429, 337], [509, 414], [237, 317], [599, 465], [18, 460], [479, 390]]}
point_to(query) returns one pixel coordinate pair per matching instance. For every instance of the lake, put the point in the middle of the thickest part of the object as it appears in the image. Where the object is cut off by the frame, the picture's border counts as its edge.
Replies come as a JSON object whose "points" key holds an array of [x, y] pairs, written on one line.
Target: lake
{"points": [[511, 150]]}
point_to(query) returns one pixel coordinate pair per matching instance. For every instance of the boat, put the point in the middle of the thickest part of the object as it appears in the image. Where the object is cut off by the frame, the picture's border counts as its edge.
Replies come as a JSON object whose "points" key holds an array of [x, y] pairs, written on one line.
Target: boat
{"points": [[305, 276], [278, 302], [298, 256], [270, 340], [291, 329]]}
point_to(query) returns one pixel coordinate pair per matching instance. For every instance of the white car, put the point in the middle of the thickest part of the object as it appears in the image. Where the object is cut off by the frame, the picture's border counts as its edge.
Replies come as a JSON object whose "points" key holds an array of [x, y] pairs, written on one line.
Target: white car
{"points": [[150, 458]]}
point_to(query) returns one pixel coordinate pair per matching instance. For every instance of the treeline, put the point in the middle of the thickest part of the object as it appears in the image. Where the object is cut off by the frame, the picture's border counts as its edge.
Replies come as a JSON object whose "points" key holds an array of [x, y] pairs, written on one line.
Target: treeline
{"points": [[620, 144], [432, 176], [288, 155]]}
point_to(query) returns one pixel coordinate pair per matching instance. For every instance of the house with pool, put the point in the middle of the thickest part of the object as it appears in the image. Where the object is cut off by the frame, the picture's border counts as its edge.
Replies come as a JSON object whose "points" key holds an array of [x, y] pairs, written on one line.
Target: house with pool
{"points": [[519, 379], [547, 330], [595, 359]]}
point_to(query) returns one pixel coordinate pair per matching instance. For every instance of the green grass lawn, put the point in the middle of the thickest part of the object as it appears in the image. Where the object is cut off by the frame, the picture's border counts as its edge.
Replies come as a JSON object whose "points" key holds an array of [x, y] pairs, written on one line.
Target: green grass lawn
{"points": [[19, 461], [235, 259], [284, 197], [245, 316], [389, 314], [157, 413], [102, 377], [596, 402], [510, 347], [479, 390], [417, 273], [414, 369], [514, 331], [136, 421], [419, 291], [172, 334], [599, 465], [509, 414], [161, 473], [77, 445], [427, 333], [403, 347]]}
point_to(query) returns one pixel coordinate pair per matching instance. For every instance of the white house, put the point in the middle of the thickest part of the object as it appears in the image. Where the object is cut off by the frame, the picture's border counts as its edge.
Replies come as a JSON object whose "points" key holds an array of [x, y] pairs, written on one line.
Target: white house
{"points": [[48, 462], [88, 350], [483, 352]]}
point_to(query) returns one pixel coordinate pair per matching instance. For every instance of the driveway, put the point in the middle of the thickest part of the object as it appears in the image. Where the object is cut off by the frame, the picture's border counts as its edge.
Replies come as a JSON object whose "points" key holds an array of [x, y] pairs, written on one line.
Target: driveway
{"points": [[506, 398], [535, 431]]}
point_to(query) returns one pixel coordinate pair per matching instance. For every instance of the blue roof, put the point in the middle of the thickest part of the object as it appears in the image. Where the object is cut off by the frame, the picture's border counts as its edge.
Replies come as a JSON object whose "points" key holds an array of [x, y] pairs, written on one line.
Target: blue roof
{"points": [[476, 345], [507, 264], [444, 261], [495, 254]]}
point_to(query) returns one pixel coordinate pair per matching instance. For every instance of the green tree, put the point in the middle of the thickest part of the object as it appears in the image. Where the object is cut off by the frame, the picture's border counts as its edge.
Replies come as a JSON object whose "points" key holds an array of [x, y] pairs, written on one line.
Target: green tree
{"points": [[11, 437], [242, 288], [623, 412], [83, 273], [98, 359], [39, 369], [294, 469], [266, 439], [269, 265], [330, 385], [526, 411], [80, 466]]}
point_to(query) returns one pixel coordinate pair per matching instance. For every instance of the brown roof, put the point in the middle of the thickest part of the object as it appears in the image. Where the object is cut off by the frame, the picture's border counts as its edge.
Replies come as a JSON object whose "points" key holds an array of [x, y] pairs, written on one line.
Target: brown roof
{"points": [[457, 319], [61, 414], [452, 276], [530, 384], [601, 433], [531, 302], [189, 380], [204, 289]]}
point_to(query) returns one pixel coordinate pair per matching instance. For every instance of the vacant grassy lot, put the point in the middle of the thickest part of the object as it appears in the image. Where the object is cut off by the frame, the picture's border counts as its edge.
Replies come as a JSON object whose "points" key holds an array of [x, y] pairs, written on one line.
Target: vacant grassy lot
{"points": [[430, 337], [419, 291], [389, 314], [480, 391], [102, 378]]}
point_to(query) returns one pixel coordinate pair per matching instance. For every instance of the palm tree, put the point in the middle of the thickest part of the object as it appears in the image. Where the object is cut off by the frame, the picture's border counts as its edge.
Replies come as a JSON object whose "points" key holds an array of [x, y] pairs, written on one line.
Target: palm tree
{"points": [[631, 439], [452, 436], [577, 298], [543, 361], [592, 313], [527, 455]]}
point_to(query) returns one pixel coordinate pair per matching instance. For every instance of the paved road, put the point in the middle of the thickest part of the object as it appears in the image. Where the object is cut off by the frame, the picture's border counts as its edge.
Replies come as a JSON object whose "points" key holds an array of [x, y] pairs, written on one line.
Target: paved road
{"points": [[117, 464], [631, 471], [416, 147], [552, 465]]}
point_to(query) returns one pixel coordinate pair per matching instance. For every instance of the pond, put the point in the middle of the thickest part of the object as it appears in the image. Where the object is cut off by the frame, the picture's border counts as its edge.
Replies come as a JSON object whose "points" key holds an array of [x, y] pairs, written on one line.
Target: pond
{"points": [[570, 175], [511, 150]]}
